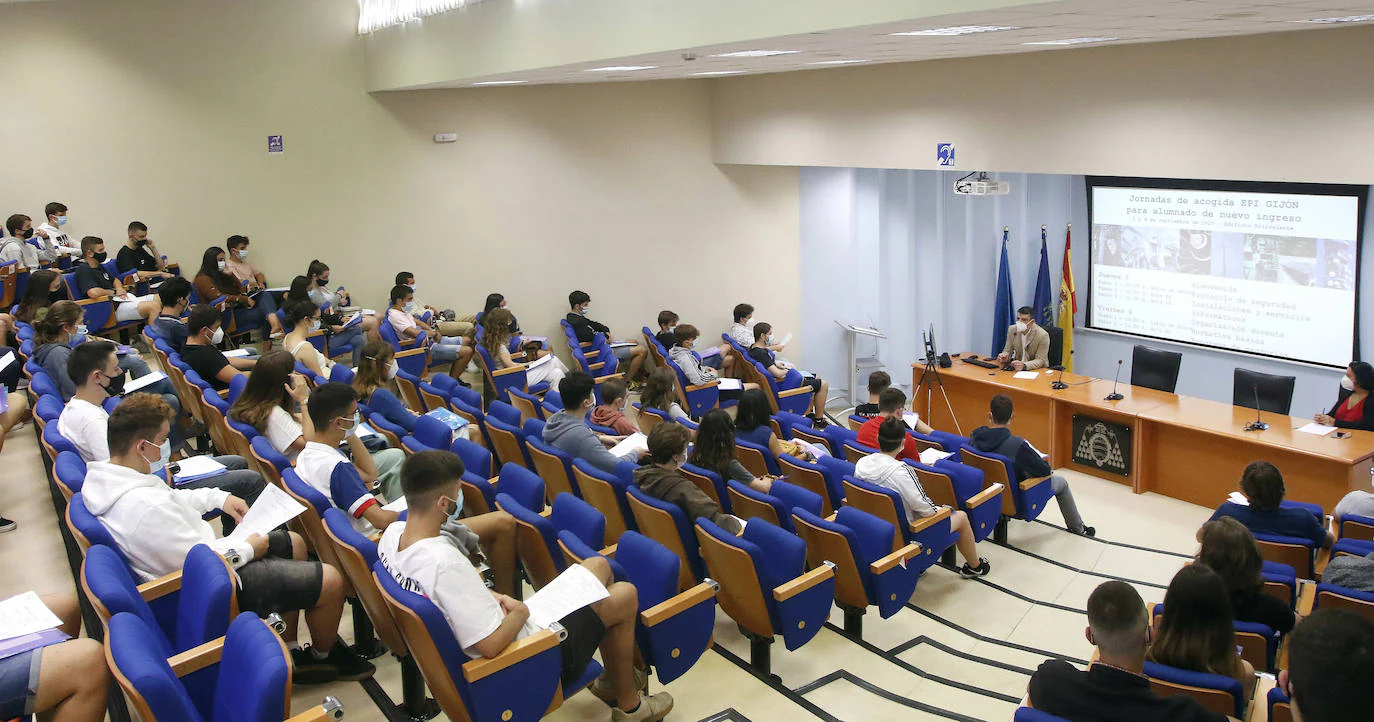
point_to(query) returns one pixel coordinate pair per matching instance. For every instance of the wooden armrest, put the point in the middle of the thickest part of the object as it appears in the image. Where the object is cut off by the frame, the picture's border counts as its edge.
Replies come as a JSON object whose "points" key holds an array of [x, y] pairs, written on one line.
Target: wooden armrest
{"points": [[1307, 597], [1030, 483], [794, 392], [375, 538], [591, 354], [493, 480], [901, 556], [686, 600], [518, 368], [784, 592], [546, 512], [91, 301], [224, 393], [408, 352], [330, 710], [160, 587], [596, 366], [603, 379], [587, 344], [926, 522], [707, 385], [517, 652], [984, 495], [608, 552], [832, 517], [197, 658]]}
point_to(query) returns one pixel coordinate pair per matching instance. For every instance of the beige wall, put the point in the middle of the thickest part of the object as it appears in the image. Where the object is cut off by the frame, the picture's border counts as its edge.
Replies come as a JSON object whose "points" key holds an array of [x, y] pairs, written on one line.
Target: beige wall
{"points": [[159, 110], [1283, 107]]}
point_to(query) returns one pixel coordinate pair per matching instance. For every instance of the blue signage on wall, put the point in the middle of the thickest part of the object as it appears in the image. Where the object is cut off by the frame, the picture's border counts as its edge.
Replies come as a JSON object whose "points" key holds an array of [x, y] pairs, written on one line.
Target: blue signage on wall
{"points": [[944, 154]]}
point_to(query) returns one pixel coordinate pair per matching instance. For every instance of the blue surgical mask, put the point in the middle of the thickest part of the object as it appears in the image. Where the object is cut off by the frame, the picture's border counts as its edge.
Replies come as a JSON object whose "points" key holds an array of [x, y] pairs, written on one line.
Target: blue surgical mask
{"points": [[315, 325], [81, 330], [243, 255], [457, 506], [61, 221], [164, 456], [221, 265], [410, 307]]}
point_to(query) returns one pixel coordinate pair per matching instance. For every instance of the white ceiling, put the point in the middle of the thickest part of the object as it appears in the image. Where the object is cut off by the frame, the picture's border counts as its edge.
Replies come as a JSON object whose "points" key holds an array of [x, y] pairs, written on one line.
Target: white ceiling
{"points": [[1130, 21]]}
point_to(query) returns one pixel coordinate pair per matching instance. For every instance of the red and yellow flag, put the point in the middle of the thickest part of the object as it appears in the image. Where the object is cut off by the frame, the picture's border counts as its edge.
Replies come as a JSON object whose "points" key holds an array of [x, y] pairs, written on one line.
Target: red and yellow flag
{"points": [[1068, 303]]}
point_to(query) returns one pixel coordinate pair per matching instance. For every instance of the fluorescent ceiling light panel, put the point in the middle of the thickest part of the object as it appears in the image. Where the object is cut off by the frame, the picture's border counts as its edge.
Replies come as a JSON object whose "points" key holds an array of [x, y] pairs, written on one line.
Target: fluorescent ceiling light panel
{"points": [[756, 53], [959, 30], [500, 82], [839, 62], [1072, 41], [718, 72], [621, 68], [373, 15], [1336, 21]]}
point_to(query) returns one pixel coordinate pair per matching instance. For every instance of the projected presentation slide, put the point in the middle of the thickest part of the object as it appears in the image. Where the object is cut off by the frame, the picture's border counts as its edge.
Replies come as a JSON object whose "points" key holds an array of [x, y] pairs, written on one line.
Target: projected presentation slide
{"points": [[1266, 273]]}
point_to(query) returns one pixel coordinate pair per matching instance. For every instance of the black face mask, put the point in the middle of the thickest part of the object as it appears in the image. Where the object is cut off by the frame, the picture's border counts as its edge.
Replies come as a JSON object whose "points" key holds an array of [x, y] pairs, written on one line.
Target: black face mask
{"points": [[100, 257], [141, 243], [321, 282], [27, 234]]}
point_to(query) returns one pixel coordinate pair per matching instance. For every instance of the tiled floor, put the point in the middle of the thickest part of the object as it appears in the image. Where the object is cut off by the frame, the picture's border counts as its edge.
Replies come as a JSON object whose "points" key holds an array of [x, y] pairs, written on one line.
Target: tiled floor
{"points": [[961, 650]]}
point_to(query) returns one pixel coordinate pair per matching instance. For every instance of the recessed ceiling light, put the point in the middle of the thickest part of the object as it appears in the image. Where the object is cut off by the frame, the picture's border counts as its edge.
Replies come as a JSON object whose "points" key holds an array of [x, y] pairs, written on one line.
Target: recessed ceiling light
{"points": [[1072, 41], [1335, 21], [718, 72], [960, 30], [756, 53], [839, 62], [621, 68], [500, 82]]}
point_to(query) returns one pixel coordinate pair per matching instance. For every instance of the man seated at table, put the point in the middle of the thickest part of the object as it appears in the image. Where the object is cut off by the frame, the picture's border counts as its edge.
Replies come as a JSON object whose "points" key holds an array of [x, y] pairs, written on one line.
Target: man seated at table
{"points": [[1262, 485], [1028, 345], [997, 438]]}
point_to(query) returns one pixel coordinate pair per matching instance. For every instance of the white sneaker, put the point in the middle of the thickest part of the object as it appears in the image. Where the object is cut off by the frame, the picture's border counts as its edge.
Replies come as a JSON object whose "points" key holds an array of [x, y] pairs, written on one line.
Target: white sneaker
{"points": [[651, 709]]}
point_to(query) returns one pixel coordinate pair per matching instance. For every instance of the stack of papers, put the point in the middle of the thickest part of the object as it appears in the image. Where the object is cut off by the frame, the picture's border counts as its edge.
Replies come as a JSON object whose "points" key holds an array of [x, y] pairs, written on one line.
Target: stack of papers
{"points": [[143, 381], [816, 451], [532, 339], [708, 353], [539, 361], [1311, 428], [911, 419], [930, 456], [454, 421], [195, 468], [397, 506], [1025, 375], [631, 442], [730, 384], [238, 353], [26, 624], [273, 508], [1042, 454], [570, 591], [622, 344]]}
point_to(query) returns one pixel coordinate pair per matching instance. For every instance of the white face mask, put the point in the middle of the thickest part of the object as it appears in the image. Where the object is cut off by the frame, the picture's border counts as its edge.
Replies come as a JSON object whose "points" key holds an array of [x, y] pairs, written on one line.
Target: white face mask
{"points": [[1347, 384], [164, 455], [391, 370], [412, 287], [218, 338], [243, 255], [585, 308], [1021, 326], [221, 265]]}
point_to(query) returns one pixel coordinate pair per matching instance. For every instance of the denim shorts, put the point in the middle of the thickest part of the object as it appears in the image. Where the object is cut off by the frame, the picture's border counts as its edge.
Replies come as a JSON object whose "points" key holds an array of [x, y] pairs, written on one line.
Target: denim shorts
{"points": [[19, 683]]}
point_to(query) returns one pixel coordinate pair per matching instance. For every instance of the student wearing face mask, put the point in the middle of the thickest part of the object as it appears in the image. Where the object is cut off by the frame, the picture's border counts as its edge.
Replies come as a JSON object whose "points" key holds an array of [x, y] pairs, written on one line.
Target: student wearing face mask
{"points": [[496, 339], [462, 325], [1028, 345], [140, 255], [402, 315], [694, 368], [611, 411], [203, 333], [662, 478], [318, 289], [303, 318], [16, 247], [249, 309], [61, 330], [155, 527], [334, 422], [174, 299], [236, 263], [587, 329], [787, 376], [84, 422], [53, 242], [93, 281]]}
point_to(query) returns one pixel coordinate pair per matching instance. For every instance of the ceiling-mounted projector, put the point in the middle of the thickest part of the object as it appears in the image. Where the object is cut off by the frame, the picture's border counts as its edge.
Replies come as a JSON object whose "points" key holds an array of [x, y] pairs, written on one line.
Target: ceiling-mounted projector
{"points": [[980, 186]]}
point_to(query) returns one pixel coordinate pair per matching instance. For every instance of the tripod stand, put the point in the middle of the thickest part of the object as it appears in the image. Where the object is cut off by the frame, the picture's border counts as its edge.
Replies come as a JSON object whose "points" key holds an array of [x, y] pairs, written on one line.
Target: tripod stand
{"points": [[932, 372]]}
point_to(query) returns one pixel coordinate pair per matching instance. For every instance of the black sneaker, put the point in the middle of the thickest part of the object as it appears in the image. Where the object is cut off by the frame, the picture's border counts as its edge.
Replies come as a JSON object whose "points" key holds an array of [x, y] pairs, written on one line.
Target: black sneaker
{"points": [[1088, 531], [350, 666], [969, 572], [309, 670], [7, 525]]}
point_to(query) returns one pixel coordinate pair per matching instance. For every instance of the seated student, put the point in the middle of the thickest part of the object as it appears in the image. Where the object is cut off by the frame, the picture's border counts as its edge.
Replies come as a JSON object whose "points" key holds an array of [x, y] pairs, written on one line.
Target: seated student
{"points": [[742, 330], [272, 401], [141, 255], [249, 309], [93, 281], [660, 392], [402, 317], [14, 409], [174, 298], [15, 247], [1351, 411], [1115, 686], [53, 243], [892, 405], [878, 381], [1330, 663], [698, 371], [64, 682], [587, 329], [568, 428], [667, 321], [761, 351], [1028, 345], [494, 301], [496, 335], [334, 420], [303, 319], [885, 470], [611, 412], [45, 288], [236, 263], [997, 438], [318, 274], [203, 334], [331, 322], [1229, 550], [1197, 631], [155, 526], [84, 423], [462, 325], [714, 450], [426, 561], [751, 424], [662, 478], [1262, 485], [52, 342]]}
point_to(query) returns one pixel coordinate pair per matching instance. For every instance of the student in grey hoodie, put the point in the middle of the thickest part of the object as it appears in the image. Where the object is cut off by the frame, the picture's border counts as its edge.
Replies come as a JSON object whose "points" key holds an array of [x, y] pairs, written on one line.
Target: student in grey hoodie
{"points": [[52, 343], [568, 428]]}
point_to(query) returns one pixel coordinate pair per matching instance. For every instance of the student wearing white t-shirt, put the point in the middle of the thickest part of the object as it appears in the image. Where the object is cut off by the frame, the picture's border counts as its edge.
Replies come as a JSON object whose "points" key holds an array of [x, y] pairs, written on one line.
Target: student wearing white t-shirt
{"points": [[402, 315], [485, 623]]}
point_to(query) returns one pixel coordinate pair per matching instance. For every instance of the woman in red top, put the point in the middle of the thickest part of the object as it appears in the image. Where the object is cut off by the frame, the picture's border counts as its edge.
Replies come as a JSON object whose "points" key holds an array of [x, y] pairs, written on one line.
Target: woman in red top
{"points": [[1352, 410]]}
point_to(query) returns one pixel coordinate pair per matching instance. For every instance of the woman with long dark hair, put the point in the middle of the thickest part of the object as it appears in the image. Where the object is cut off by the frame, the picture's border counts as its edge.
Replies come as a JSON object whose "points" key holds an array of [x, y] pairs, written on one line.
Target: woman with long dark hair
{"points": [[45, 288], [212, 281], [1229, 549], [496, 334], [1197, 631], [272, 402], [715, 451]]}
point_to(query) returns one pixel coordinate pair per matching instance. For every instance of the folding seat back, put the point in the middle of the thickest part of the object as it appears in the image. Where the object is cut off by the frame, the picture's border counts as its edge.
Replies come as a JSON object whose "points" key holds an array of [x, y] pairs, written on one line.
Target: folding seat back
{"points": [[650, 417], [606, 492], [710, 484], [1258, 645], [522, 485], [54, 443], [499, 380], [1354, 526], [269, 461], [536, 541], [432, 432], [674, 627], [69, 471], [431, 396], [528, 405], [1280, 582], [1332, 596], [867, 572], [755, 458], [666, 524], [312, 519], [812, 477], [1280, 707], [1024, 500], [776, 506], [553, 465], [1296, 552], [853, 451], [581, 519], [236, 386], [111, 589], [856, 422], [476, 459], [934, 533], [1218, 693], [87, 529], [138, 660], [357, 554], [983, 508], [47, 408], [409, 384]]}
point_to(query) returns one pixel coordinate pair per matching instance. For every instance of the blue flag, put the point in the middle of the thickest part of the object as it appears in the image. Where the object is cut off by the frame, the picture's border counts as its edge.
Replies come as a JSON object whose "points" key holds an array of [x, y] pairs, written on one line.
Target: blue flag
{"points": [[1004, 310], [1043, 302]]}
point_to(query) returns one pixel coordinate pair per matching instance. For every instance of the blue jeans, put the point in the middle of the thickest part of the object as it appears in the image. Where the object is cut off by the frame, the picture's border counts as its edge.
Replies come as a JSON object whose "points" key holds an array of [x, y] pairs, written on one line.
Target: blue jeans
{"points": [[352, 336], [446, 349]]}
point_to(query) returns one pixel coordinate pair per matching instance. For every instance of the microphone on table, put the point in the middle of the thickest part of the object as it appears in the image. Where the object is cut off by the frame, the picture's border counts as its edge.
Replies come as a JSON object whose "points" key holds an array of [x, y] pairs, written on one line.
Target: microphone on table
{"points": [[1114, 396], [1257, 424], [1059, 384]]}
